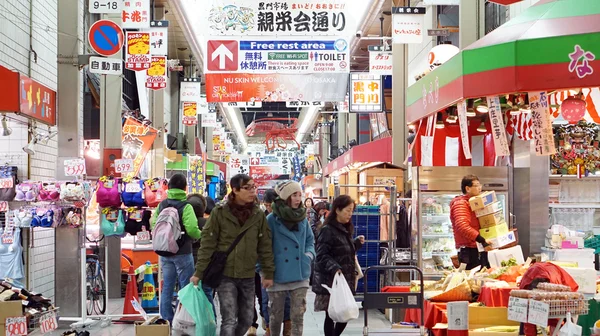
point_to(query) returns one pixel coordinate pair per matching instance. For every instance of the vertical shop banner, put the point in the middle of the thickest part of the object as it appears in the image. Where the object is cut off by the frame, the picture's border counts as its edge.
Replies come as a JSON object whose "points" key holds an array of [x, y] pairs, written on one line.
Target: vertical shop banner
{"points": [[238, 164], [464, 128], [190, 90], [297, 168], [366, 93], [196, 184], [156, 78], [306, 18], [138, 56], [136, 14], [190, 113], [541, 124], [203, 105], [159, 38], [408, 25], [136, 140], [498, 129], [380, 63], [209, 120]]}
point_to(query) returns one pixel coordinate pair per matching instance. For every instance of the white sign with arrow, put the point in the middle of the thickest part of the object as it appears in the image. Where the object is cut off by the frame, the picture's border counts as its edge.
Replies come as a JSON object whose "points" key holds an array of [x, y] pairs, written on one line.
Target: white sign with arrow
{"points": [[221, 53]]}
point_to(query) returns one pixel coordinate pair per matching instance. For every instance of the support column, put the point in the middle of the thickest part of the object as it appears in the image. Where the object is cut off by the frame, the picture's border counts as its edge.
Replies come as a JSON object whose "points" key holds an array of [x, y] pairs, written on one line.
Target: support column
{"points": [[342, 129], [399, 85], [364, 128], [471, 21], [208, 131], [324, 144], [157, 115], [352, 126]]}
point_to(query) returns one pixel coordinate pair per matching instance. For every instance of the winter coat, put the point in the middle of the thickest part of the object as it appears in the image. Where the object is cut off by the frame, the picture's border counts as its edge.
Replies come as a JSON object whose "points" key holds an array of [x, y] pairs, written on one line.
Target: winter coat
{"points": [[293, 250], [220, 231], [464, 222], [335, 250]]}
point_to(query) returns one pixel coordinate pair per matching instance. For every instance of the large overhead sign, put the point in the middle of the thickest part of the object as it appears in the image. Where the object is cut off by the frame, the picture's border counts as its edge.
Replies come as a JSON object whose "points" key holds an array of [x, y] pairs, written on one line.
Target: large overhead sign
{"points": [[408, 25], [306, 18]]}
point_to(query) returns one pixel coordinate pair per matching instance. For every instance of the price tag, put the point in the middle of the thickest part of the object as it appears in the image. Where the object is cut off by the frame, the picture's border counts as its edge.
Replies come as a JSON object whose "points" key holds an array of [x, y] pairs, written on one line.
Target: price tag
{"points": [[8, 237], [517, 309], [7, 182], [4, 206], [133, 187], [538, 313], [458, 315], [123, 165], [75, 167], [48, 322], [16, 326], [143, 236]]}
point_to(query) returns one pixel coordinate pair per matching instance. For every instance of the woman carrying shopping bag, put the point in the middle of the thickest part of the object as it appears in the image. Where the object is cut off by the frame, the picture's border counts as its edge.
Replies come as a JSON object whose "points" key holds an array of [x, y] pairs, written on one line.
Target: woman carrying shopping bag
{"points": [[336, 251], [293, 248]]}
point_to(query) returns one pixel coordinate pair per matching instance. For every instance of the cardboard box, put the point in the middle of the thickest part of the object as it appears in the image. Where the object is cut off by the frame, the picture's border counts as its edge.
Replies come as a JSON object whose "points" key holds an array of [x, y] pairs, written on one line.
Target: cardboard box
{"points": [[585, 278], [9, 309], [496, 257], [489, 209], [500, 241], [494, 231], [492, 219], [486, 317], [482, 200], [152, 330]]}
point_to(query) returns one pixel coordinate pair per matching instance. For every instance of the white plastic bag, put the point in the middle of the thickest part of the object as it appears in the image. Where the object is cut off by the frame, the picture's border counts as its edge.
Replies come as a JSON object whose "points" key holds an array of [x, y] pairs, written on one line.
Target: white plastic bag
{"points": [[570, 328], [342, 306], [183, 323]]}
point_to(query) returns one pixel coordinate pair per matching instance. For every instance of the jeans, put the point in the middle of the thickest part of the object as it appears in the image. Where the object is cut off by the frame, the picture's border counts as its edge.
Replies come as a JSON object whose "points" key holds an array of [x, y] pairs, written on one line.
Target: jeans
{"points": [[177, 269], [298, 308], [210, 296], [236, 297], [265, 307]]}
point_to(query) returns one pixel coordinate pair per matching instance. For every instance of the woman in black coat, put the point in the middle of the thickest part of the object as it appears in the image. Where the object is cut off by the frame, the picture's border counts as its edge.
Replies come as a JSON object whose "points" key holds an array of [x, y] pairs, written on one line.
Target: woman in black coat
{"points": [[336, 253]]}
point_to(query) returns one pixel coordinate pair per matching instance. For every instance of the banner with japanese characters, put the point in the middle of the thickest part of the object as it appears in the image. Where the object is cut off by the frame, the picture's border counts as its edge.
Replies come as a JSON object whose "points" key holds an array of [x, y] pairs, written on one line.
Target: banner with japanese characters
{"points": [[541, 124], [238, 164], [136, 14], [156, 78], [196, 184], [305, 17], [464, 128], [159, 38], [408, 25], [138, 56], [366, 93], [190, 111], [136, 141], [209, 120], [498, 129], [284, 55], [380, 63]]}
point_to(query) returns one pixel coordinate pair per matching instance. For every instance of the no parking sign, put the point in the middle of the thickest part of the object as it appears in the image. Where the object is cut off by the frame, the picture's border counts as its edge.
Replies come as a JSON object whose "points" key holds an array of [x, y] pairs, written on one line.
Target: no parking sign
{"points": [[106, 37]]}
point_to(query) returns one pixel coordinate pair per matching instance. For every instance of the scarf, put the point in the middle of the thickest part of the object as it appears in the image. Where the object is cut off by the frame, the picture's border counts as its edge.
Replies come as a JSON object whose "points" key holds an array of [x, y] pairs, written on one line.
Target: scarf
{"points": [[289, 216], [241, 212]]}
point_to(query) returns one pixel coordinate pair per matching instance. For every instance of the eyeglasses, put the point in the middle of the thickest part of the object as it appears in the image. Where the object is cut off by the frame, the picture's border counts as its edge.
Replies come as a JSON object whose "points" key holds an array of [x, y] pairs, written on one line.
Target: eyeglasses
{"points": [[249, 187]]}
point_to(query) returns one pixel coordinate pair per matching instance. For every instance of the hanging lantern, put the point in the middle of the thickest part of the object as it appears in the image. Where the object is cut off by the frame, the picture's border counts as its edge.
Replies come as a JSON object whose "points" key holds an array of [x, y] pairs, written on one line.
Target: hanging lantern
{"points": [[573, 109]]}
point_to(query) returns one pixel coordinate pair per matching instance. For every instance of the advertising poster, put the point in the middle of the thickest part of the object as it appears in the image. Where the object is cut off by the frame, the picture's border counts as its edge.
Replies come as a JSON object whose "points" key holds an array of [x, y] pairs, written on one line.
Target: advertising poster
{"points": [[156, 78], [37, 101], [136, 141], [190, 111], [238, 164], [136, 14], [138, 55], [464, 128], [209, 120], [196, 180], [380, 63], [159, 40], [541, 124], [498, 129]]}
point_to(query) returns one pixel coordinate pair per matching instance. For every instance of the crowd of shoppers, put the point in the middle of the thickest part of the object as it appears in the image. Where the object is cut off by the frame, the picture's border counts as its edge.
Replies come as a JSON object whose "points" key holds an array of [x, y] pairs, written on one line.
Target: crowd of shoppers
{"points": [[275, 256]]}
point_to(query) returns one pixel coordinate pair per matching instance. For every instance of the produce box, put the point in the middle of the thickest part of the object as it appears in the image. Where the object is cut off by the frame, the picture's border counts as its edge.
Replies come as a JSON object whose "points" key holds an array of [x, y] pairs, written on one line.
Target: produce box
{"points": [[489, 209], [488, 321], [152, 330], [494, 231], [9, 309], [497, 256], [482, 200], [500, 241], [492, 219]]}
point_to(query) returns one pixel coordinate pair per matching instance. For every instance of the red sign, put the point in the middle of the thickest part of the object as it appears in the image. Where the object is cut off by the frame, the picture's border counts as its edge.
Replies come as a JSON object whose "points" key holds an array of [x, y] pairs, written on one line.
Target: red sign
{"points": [[156, 78], [137, 140], [106, 37], [138, 56], [108, 161], [38, 101], [254, 161], [190, 111], [222, 55]]}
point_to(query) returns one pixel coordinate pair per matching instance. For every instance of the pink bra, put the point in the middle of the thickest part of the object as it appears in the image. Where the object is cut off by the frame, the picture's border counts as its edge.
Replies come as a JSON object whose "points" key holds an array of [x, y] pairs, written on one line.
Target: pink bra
{"points": [[49, 192]]}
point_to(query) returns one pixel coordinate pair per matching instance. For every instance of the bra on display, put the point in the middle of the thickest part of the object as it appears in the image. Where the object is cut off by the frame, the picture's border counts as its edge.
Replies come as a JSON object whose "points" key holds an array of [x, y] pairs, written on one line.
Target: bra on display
{"points": [[49, 192], [133, 193], [136, 220], [111, 226], [72, 191], [27, 192], [42, 218], [155, 191], [107, 194], [22, 218]]}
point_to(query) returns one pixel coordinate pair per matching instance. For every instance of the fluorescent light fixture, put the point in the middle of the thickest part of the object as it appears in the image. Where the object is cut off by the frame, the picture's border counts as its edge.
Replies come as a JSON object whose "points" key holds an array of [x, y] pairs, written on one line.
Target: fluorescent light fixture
{"points": [[235, 121], [308, 121]]}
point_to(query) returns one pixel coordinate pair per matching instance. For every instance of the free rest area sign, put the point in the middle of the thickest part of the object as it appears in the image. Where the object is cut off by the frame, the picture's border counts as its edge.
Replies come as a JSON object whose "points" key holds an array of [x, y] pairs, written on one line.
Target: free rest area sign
{"points": [[294, 56]]}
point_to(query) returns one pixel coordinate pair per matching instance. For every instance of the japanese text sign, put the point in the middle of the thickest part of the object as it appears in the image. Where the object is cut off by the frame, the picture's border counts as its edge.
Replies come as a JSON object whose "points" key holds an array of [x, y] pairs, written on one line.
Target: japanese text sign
{"points": [[74, 167], [538, 313], [408, 25], [580, 61], [105, 6], [106, 66], [196, 184], [464, 128], [458, 315], [517, 309], [190, 111], [136, 14], [366, 93], [156, 78], [48, 322], [238, 164], [380, 63], [541, 124], [16, 326], [37, 101], [498, 130], [138, 56], [136, 141], [159, 38], [189, 90], [124, 166], [306, 17], [209, 120]]}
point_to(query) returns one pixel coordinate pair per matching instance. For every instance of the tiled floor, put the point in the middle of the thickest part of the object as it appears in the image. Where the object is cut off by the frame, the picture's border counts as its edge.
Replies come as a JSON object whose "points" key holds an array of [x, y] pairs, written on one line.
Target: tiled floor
{"points": [[313, 323]]}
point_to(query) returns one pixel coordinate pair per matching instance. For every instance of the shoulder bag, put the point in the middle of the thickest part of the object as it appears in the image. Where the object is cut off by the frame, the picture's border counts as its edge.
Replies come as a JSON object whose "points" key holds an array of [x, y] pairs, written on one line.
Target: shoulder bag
{"points": [[213, 274]]}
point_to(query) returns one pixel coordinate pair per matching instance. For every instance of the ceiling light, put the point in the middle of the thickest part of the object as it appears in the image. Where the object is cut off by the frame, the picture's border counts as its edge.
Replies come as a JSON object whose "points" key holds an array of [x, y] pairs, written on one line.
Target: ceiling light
{"points": [[6, 131], [482, 108], [482, 128], [29, 148], [452, 119], [470, 113], [270, 114], [411, 126], [439, 124]]}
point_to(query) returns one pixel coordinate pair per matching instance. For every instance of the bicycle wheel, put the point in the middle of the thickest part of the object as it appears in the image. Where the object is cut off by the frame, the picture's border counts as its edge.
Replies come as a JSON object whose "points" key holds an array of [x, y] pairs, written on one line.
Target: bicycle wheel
{"points": [[90, 298], [100, 292]]}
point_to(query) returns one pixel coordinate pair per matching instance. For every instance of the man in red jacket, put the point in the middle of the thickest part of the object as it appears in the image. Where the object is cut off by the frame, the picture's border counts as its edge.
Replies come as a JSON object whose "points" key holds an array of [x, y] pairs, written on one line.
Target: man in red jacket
{"points": [[466, 226]]}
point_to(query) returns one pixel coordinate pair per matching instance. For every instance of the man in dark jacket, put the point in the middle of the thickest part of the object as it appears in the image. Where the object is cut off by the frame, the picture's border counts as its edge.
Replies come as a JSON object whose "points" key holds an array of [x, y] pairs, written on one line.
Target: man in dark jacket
{"points": [[466, 226]]}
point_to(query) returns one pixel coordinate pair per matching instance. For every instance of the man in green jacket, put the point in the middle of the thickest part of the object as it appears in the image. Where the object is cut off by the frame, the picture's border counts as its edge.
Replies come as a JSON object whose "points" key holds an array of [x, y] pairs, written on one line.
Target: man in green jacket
{"points": [[180, 267], [226, 222]]}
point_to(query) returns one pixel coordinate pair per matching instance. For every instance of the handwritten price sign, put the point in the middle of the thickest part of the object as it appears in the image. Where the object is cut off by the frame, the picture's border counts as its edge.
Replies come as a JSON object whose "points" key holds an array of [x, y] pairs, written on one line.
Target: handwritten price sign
{"points": [[7, 182], [517, 309], [16, 326], [48, 322], [3, 206], [123, 165], [538, 313], [75, 167]]}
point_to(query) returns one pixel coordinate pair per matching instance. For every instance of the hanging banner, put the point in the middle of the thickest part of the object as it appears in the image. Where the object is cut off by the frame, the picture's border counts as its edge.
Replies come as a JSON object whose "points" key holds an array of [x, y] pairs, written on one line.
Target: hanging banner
{"points": [[136, 14], [464, 128], [366, 93], [408, 25], [136, 141], [498, 129], [541, 124], [297, 168], [202, 105], [280, 18], [380, 63], [238, 164], [138, 56], [190, 90], [159, 38], [196, 184], [190, 112], [209, 120], [156, 78]]}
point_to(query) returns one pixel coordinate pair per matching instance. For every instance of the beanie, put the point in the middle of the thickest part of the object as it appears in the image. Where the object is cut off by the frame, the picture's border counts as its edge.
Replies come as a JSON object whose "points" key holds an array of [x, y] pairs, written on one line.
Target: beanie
{"points": [[286, 189]]}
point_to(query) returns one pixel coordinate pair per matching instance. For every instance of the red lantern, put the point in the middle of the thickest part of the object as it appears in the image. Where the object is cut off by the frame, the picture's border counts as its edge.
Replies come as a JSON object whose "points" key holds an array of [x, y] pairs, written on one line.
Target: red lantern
{"points": [[573, 109]]}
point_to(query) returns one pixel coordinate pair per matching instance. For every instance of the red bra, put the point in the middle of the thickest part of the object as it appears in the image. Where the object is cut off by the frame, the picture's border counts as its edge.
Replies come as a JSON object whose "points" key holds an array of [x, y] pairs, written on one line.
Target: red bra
{"points": [[49, 192]]}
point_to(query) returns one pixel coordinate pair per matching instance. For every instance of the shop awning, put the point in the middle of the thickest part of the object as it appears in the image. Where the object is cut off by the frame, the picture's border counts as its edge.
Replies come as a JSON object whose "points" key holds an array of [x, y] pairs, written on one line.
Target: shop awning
{"points": [[535, 51], [374, 151]]}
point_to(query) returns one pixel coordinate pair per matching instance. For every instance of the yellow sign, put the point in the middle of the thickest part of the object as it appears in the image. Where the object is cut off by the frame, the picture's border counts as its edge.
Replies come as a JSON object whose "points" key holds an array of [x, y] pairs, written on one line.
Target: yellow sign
{"points": [[148, 292], [216, 140], [366, 93]]}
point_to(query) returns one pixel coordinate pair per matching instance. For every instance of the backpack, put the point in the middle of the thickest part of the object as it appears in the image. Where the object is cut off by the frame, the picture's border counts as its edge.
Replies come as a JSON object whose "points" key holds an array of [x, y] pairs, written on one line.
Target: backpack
{"points": [[169, 234]]}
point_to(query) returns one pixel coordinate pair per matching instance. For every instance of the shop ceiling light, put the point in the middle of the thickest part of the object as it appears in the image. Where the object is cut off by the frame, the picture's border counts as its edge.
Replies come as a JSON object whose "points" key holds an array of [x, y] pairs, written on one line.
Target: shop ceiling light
{"points": [[29, 148], [439, 124], [482, 108], [452, 119], [471, 113], [411, 126], [6, 131], [482, 128]]}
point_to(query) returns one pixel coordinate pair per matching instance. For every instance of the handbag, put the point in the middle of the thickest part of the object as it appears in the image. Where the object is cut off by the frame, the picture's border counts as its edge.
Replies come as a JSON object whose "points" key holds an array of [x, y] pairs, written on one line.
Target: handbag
{"points": [[213, 274]]}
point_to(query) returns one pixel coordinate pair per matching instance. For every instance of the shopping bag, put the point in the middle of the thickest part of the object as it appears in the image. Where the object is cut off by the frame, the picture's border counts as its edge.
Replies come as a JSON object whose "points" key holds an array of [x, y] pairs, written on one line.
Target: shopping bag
{"points": [[183, 322], [359, 272], [199, 308], [342, 306], [570, 328]]}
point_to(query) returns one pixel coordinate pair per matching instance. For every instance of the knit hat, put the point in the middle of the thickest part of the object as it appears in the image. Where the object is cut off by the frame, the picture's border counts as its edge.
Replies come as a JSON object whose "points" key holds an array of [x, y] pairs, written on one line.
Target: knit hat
{"points": [[286, 189]]}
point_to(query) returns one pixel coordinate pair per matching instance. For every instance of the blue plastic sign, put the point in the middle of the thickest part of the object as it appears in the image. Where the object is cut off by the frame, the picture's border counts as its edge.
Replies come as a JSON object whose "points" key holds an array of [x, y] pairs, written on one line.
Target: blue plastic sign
{"points": [[106, 37]]}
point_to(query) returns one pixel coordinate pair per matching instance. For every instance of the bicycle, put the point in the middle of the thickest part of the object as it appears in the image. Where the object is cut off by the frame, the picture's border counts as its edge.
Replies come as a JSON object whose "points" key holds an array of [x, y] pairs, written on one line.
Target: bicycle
{"points": [[95, 283]]}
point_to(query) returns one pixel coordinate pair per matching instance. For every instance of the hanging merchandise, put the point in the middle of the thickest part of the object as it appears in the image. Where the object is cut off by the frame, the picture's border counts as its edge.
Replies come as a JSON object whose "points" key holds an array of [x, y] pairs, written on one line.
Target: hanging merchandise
{"points": [[72, 192], [107, 194], [133, 193], [112, 222], [72, 217], [138, 220], [11, 253], [8, 182], [49, 192], [155, 191], [22, 218], [27, 191], [42, 218]]}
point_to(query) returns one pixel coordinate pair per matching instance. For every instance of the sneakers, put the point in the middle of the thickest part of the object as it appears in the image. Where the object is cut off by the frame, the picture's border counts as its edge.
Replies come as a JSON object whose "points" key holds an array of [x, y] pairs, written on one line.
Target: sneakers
{"points": [[251, 331], [287, 328], [268, 331]]}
